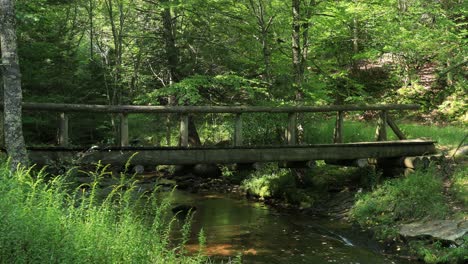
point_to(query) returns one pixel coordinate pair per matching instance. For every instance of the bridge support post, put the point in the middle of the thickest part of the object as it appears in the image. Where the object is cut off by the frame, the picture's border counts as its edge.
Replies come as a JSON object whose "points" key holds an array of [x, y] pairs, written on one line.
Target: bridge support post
{"points": [[123, 130], [238, 140], [292, 129], [381, 132], [338, 133], [63, 131], [184, 130]]}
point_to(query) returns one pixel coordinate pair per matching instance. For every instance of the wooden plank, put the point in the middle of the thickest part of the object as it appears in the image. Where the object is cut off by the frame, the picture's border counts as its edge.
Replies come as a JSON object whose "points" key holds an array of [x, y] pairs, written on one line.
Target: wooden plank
{"points": [[395, 128], [360, 163], [291, 133], [267, 154], [63, 130], [124, 130], [381, 132], [207, 109], [184, 130], [338, 133], [238, 140]]}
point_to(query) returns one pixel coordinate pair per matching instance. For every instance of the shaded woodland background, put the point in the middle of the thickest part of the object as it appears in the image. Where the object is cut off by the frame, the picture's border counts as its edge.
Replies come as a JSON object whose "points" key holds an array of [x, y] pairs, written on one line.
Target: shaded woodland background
{"points": [[223, 52]]}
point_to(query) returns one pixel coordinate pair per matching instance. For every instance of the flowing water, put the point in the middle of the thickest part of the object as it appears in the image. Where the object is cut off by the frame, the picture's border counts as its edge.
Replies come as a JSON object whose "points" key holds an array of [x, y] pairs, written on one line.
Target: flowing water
{"points": [[262, 235]]}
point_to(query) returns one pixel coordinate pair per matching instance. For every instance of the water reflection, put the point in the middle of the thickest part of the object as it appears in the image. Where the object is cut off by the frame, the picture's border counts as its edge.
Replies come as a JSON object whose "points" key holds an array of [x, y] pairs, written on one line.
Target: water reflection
{"points": [[234, 226]]}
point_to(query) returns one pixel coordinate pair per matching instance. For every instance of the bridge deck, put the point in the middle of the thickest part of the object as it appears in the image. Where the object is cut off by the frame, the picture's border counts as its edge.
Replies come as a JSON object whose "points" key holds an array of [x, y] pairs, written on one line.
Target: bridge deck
{"points": [[244, 154]]}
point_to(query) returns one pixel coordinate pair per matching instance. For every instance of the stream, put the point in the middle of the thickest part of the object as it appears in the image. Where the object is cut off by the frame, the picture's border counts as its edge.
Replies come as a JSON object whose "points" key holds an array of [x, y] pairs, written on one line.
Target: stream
{"points": [[235, 226]]}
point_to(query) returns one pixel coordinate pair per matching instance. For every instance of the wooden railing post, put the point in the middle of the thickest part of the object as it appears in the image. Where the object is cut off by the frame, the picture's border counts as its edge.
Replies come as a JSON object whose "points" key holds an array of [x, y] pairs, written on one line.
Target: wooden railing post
{"points": [[184, 130], [381, 132], [238, 140], [291, 133], [124, 129], [338, 133], [63, 131], [395, 128]]}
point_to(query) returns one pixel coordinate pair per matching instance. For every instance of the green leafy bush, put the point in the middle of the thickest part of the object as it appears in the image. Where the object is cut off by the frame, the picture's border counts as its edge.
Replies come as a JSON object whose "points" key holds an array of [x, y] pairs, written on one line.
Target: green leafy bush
{"points": [[48, 222], [273, 182], [414, 197]]}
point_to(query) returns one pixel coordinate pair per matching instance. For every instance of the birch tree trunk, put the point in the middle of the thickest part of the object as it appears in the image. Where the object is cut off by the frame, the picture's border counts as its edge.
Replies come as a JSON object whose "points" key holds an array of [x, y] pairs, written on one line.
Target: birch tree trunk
{"points": [[14, 140]]}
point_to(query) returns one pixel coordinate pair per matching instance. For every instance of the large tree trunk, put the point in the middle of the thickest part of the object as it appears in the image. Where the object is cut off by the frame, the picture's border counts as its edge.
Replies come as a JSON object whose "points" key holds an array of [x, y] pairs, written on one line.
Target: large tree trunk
{"points": [[172, 60], [14, 139]]}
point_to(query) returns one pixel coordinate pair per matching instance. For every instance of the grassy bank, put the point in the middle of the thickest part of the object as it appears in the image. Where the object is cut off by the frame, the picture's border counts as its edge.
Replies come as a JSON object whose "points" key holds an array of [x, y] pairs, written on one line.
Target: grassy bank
{"points": [[418, 197], [51, 222], [354, 131]]}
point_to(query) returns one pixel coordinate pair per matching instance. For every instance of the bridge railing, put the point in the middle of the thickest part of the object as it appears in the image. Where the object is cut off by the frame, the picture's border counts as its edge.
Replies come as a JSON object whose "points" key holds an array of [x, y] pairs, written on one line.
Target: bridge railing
{"points": [[184, 111]]}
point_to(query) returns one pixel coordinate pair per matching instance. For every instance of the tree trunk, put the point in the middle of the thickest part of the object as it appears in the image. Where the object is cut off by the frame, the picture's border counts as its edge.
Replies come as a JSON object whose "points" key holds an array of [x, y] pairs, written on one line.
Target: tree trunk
{"points": [[172, 53], [14, 139], [172, 60], [296, 45], [259, 10]]}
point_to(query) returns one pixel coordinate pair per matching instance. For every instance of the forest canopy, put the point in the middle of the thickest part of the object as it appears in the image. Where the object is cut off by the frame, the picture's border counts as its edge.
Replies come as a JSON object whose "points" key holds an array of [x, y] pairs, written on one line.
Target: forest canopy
{"points": [[225, 52]]}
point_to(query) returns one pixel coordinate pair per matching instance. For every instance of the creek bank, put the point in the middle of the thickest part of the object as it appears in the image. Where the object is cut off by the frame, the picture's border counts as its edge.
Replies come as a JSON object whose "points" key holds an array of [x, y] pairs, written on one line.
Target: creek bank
{"points": [[451, 231]]}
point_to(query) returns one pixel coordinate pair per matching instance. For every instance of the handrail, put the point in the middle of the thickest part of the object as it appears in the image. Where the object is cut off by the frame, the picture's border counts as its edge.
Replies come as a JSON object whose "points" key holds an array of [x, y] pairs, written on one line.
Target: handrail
{"points": [[65, 108], [185, 111]]}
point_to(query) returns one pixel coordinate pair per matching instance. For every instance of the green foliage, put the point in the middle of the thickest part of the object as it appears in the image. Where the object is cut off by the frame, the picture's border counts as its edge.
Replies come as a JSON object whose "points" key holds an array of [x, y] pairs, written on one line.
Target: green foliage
{"points": [[460, 184], [207, 90], [414, 197], [273, 182], [47, 222], [321, 131], [435, 252]]}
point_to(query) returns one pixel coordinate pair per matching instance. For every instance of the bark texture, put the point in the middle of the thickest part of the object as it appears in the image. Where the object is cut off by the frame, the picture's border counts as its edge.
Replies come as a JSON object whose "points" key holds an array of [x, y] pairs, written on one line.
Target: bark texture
{"points": [[14, 139]]}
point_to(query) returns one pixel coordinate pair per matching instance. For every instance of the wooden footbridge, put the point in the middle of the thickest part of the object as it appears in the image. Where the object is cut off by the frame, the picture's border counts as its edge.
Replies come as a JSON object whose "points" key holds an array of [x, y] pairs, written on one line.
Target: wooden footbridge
{"points": [[290, 151]]}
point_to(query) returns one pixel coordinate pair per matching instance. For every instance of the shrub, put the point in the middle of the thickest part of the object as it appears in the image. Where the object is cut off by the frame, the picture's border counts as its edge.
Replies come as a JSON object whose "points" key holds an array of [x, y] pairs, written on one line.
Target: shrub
{"points": [[414, 197], [46, 222], [273, 182]]}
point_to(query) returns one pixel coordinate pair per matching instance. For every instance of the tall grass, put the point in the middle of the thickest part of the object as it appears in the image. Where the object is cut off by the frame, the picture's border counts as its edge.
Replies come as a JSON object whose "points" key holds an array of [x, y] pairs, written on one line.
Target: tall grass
{"points": [[50, 222], [418, 196], [321, 131]]}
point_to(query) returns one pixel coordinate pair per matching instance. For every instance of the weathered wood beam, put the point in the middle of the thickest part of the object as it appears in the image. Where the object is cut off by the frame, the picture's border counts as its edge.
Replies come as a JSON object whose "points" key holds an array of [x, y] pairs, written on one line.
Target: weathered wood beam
{"points": [[207, 109], [124, 130], [338, 132], [291, 133], [381, 132], [349, 151], [360, 163], [238, 140], [395, 128], [413, 162], [298, 164], [184, 130], [63, 139]]}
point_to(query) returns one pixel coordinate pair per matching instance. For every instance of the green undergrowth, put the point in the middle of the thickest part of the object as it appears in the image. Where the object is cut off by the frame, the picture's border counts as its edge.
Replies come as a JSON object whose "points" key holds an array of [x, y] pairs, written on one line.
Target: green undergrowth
{"points": [[355, 131], [301, 187], [278, 183], [436, 252], [48, 221], [460, 184], [418, 196]]}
